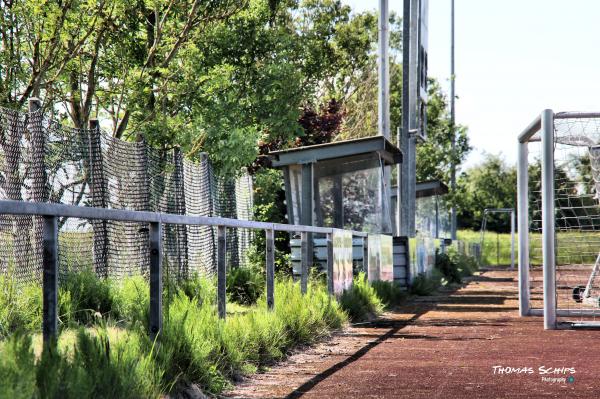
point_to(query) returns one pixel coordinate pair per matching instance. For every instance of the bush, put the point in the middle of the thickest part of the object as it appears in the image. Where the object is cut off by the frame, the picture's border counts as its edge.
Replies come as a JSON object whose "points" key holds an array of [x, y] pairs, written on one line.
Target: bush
{"points": [[84, 297], [467, 265], [424, 284], [245, 285], [390, 293], [447, 266], [361, 301]]}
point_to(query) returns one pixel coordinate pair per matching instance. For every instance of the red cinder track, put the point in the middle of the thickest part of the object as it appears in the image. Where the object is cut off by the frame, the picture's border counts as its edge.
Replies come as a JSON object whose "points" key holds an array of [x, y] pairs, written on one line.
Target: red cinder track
{"points": [[443, 346]]}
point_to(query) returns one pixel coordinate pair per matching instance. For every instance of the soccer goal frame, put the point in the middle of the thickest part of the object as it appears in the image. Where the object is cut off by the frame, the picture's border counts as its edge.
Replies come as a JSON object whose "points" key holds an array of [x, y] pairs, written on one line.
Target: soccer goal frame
{"points": [[542, 132]]}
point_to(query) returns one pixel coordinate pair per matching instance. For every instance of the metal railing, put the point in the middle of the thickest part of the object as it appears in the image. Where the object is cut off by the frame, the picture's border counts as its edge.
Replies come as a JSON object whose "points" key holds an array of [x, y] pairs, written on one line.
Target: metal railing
{"points": [[51, 213]]}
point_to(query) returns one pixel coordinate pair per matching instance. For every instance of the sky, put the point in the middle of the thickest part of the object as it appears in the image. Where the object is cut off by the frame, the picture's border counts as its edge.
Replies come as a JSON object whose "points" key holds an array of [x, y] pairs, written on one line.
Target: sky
{"points": [[514, 58]]}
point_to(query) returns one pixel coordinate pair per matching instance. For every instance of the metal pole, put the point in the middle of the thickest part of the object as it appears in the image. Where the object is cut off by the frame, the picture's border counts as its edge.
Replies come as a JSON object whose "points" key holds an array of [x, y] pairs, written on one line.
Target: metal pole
{"points": [[548, 227], [221, 270], [330, 263], [512, 239], [523, 215], [403, 141], [50, 278], [304, 262], [156, 281], [452, 119], [270, 267], [384, 74]]}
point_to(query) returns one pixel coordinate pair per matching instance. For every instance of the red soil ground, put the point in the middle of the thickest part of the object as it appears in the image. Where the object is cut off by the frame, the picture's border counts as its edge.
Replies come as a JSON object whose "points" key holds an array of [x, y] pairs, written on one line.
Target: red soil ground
{"points": [[443, 346]]}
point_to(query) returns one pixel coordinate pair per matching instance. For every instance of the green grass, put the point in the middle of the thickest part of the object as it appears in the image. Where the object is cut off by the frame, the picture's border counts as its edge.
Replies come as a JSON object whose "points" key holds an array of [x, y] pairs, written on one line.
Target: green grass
{"points": [[572, 247], [361, 300], [103, 349]]}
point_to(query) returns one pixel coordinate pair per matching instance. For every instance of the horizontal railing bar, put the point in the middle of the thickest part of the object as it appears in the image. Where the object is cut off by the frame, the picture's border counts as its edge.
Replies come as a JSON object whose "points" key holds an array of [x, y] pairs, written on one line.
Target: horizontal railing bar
{"points": [[10, 207], [531, 129]]}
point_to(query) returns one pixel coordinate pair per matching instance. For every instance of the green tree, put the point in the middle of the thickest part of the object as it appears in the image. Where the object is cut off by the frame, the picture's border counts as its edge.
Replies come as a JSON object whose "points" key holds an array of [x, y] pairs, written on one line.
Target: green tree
{"points": [[435, 155], [491, 184]]}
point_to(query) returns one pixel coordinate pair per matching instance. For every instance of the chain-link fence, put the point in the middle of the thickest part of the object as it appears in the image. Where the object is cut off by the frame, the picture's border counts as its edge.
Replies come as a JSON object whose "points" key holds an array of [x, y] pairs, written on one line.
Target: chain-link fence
{"points": [[44, 161]]}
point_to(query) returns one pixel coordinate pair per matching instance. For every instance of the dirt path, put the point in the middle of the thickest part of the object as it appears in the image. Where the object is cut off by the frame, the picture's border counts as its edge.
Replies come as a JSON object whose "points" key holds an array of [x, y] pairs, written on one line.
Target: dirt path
{"points": [[445, 347]]}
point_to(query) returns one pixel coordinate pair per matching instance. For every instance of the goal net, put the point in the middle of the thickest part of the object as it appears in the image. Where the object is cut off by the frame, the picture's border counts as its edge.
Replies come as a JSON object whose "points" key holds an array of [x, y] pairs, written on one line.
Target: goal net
{"points": [[559, 219]]}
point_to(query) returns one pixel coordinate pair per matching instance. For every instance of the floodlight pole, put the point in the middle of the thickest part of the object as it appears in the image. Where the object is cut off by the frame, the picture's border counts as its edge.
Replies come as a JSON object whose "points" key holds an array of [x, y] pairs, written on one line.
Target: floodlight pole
{"points": [[384, 102], [452, 121], [384, 71]]}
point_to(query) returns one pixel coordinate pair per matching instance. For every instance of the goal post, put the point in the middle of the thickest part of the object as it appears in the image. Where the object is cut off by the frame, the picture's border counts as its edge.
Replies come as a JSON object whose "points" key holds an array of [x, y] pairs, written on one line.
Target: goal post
{"points": [[511, 216], [558, 210]]}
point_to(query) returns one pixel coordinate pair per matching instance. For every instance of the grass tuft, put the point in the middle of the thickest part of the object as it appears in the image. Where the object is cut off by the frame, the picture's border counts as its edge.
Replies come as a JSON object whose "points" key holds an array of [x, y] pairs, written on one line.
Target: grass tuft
{"points": [[361, 301]]}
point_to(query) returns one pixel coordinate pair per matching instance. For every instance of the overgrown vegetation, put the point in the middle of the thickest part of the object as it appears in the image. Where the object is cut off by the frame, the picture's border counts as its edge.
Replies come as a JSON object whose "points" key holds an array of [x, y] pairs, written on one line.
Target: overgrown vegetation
{"points": [[104, 350], [361, 301], [450, 268], [245, 285]]}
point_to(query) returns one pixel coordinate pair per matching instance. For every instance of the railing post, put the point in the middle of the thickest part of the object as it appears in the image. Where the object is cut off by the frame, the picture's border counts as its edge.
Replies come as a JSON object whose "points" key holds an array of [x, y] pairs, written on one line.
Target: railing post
{"points": [[50, 278], [270, 266], [156, 281], [548, 227], [221, 270], [330, 263], [304, 262], [366, 255]]}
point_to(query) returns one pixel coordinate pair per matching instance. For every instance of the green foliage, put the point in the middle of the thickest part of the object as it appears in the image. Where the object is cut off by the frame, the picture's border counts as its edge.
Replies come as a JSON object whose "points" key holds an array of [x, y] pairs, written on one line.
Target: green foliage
{"points": [[454, 265], [198, 347], [361, 301], [132, 300], [195, 346], [269, 206], [389, 292], [448, 267], [435, 156], [84, 297], [424, 284], [17, 371], [199, 288], [245, 285], [20, 306], [492, 184], [96, 366]]}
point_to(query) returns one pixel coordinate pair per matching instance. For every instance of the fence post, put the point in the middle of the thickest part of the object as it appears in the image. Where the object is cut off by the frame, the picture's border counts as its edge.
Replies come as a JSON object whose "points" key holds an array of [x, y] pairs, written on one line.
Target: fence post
{"points": [[221, 270], [156, 281], [366, 255], [304, 262], [330, 263], [50, 277], [270, 267]]}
